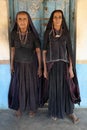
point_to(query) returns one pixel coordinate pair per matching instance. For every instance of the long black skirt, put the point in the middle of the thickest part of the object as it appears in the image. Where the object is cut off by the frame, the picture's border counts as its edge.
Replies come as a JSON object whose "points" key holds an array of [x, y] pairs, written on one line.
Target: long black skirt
{"points": [[23, 90], [60, 102]]}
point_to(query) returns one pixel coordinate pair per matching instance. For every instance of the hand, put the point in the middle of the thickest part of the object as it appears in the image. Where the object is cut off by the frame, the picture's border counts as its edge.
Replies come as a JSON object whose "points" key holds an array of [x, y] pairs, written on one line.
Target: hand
{"points": [[45, 74], [39, 72], [12, 69], [71, 72]]}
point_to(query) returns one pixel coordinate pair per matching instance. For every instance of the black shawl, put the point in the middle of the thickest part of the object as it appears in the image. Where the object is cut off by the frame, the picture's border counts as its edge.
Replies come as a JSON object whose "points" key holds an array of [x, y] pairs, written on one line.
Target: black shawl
{"points": [[73, 83], [30, 27]]}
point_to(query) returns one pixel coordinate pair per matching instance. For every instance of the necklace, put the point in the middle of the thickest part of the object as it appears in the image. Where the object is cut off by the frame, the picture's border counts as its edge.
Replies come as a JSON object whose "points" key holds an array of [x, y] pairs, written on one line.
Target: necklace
{"points": [[23, 37], [57, 33]]}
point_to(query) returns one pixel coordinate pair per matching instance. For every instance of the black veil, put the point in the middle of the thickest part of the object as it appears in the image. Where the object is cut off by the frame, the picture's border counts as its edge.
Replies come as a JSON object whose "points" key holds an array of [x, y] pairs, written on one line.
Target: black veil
{"points": [[65, 31], [76, 94], [31, 25], [50, 22]]}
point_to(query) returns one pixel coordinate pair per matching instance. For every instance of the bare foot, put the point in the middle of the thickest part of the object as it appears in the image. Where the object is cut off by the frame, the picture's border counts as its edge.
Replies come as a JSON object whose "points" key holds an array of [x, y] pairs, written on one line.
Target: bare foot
{"points": [[18, 113], [31, 114], [54, 118], [74, 118]]}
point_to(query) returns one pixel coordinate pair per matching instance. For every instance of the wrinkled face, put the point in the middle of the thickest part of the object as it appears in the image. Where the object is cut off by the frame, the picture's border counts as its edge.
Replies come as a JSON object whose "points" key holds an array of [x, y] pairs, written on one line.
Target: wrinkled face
{"points": [[22, 20], [57, 19]]}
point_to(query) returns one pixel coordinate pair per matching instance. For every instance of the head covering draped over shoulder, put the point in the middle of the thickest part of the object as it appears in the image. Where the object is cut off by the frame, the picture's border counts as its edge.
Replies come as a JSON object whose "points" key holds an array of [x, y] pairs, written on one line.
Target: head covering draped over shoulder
{"points": [[73, 83], [65, 31], [50, 22], [30, 27]]}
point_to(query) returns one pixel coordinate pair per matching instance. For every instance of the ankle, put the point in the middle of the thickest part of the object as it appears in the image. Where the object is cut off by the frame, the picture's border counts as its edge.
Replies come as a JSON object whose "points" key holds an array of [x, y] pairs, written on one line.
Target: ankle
{"points": [[74, 118], [18, 113], [31, 114]]}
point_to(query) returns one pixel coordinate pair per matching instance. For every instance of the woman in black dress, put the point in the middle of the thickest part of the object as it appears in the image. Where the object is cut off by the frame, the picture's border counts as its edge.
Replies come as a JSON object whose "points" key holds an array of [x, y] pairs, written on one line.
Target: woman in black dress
{"points": [[59, 68], [25, 52]]}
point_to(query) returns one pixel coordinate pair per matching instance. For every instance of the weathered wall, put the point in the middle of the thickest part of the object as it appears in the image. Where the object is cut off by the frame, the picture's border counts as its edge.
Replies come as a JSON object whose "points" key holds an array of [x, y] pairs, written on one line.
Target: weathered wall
{"points": [[81, 51], [81, 38], [4, 44]]}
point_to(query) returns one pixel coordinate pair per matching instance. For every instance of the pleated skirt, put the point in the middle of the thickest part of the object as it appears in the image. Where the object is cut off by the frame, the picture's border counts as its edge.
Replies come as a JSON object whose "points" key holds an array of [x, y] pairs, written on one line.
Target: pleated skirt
{"points": [[23, 90], [59, 102]]}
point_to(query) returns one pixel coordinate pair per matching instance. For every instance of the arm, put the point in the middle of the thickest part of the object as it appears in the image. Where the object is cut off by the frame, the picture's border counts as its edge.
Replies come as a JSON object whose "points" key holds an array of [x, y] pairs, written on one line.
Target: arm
{"points": [[70, 56], [38, 52], [12, 58], [45, 48], [44, 63], [71, 68]]}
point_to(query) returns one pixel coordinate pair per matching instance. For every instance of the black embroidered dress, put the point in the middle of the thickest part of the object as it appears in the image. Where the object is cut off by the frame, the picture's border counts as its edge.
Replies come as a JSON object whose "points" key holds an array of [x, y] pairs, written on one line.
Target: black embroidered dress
{"points": [[23, 87], [57, 61]]}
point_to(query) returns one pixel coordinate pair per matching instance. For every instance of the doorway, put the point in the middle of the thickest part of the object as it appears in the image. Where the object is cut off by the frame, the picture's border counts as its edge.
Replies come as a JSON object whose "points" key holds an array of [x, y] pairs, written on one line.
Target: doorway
{"points": [[40, 11]]}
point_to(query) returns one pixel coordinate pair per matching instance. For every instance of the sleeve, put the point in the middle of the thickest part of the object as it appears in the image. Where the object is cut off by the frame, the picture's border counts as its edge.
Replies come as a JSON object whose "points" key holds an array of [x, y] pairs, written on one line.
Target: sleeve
{"points": [[12, 39], [36, 42], [69, 46], [46, 40]]}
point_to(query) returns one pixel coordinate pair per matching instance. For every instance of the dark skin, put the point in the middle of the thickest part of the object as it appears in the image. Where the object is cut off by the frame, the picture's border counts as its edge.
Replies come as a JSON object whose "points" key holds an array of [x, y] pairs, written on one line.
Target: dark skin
{"points": [[12, 59], [57, 22], [23, 23]]}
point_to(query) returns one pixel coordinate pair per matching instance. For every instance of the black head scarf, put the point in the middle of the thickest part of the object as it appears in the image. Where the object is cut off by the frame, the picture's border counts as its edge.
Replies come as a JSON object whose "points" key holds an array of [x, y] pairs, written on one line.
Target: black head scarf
{"points": [[73, 83], [30, 27], [65, 31], [50, 22]]}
